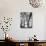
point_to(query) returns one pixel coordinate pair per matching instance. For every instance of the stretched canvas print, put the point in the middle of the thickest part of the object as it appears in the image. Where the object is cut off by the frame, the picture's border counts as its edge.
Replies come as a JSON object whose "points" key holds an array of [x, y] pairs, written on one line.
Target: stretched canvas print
{"points": [[26, 20]]}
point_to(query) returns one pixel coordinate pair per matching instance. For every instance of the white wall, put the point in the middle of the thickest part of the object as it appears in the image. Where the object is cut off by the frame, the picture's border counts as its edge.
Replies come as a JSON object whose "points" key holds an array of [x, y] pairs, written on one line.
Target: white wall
{"points": [[12, 8], [45, 28]]}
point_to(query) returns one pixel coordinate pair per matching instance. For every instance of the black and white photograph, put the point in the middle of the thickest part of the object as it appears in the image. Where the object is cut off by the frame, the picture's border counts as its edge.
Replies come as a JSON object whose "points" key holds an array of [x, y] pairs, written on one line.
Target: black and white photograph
{"points": [[26, 20]]}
